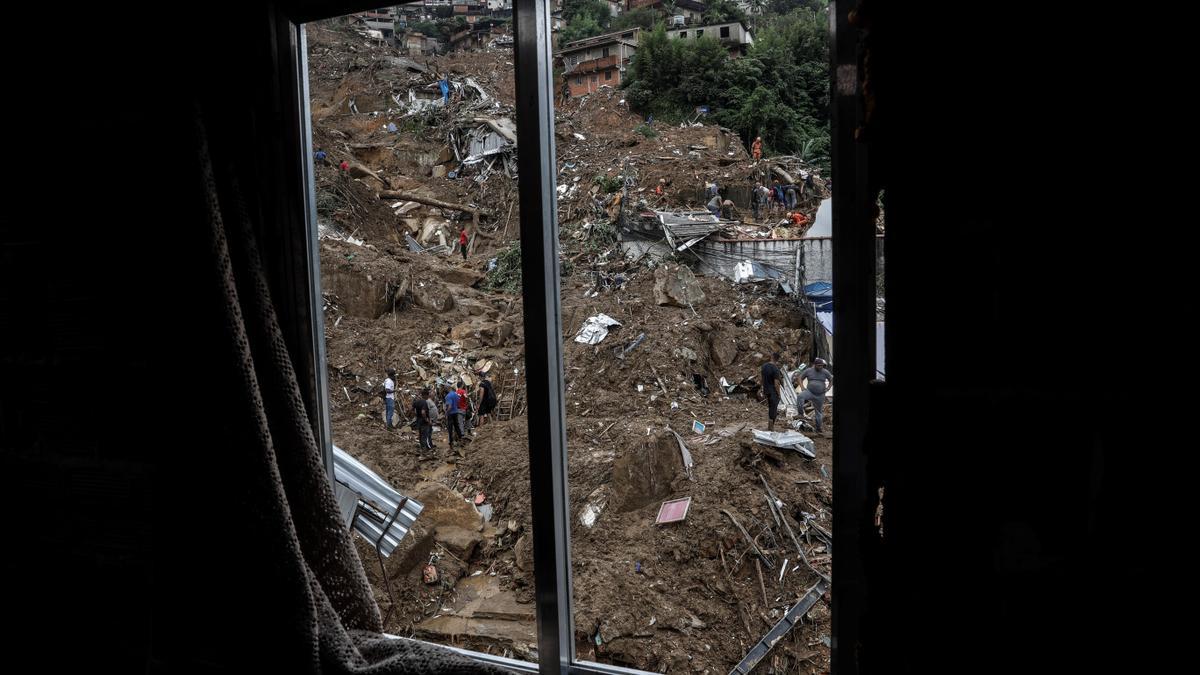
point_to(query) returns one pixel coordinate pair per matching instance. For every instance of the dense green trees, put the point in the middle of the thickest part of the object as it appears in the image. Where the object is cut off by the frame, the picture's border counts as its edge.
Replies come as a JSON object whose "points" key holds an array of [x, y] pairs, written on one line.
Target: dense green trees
{"points": [[779, 90]]}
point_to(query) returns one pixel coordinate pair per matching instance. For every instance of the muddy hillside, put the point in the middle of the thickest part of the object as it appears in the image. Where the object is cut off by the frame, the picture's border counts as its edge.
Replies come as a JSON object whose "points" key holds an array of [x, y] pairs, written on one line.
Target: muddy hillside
{"points": [[402, 169]]}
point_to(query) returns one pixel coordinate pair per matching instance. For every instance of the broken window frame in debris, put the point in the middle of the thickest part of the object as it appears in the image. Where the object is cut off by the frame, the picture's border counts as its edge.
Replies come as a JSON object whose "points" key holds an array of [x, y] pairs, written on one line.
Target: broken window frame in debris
{"points": [[293, 269]]}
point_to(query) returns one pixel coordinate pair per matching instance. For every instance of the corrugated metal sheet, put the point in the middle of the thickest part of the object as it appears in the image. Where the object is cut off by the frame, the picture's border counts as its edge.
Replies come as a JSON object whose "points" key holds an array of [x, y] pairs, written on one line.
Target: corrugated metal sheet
{"points": [[482, 142], [377, 502], [687, 226]]}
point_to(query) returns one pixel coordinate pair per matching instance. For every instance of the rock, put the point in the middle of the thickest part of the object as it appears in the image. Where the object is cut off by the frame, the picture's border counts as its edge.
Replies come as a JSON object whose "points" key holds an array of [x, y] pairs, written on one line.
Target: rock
{"points": [[357, 170], [443, 507], [459, 541], [460, 276], [684, 353], [413, 550], [523, 551], [433, 296], [463, 330], [722, 349], [495, 334], [676, 286]]}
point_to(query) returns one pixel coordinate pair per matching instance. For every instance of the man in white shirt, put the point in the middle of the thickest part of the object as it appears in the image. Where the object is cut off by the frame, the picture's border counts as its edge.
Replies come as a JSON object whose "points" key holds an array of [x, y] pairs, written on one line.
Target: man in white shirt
{"points": [[389, 396]]}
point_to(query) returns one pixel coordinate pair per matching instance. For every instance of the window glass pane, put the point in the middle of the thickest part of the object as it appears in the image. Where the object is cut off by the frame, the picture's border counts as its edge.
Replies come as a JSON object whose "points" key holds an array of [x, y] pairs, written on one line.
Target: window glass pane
{"points": [[669, 315], [414, 153]]}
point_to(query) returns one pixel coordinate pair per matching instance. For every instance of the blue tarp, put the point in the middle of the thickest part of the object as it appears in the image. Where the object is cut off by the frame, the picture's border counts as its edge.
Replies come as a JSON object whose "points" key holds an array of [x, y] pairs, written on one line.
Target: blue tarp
{"points": [[820, 293]]}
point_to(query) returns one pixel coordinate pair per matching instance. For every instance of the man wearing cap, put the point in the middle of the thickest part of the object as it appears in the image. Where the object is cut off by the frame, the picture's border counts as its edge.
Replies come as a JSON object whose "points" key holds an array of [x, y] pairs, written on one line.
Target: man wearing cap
{"points": [[389, 396], [770, 386], [819, 380]]}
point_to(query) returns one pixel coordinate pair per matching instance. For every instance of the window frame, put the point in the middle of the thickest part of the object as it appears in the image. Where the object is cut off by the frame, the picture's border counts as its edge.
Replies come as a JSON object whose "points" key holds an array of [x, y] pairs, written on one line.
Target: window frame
{"points": [[295, 266]]}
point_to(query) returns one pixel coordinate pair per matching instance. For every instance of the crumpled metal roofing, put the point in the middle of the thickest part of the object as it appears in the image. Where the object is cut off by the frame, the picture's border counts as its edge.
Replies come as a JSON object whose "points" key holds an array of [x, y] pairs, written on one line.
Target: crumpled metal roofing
{"points": [[377, 503]]}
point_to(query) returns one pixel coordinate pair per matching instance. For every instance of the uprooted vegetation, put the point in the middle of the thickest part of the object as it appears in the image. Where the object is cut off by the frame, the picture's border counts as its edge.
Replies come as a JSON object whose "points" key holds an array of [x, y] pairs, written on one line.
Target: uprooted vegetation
{"points": [[685, 596]]}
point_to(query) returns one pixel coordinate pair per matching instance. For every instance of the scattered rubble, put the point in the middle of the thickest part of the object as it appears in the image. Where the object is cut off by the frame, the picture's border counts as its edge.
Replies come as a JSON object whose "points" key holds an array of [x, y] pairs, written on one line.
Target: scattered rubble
{"points": [[398, 293]]}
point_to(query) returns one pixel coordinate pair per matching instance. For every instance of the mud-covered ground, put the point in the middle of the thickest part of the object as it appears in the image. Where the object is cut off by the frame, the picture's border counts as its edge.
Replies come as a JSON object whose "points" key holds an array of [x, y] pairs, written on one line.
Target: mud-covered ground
{"points": [[685, 596]]}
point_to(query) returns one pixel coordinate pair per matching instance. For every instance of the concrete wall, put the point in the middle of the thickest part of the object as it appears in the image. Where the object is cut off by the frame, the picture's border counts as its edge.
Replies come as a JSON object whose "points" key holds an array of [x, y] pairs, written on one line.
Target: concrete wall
{"points": [[816, 258], [776, 257]]}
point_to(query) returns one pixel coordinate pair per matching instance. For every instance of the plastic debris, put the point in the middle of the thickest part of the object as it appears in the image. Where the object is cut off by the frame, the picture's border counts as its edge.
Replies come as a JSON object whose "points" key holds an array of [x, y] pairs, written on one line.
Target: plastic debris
{"points": [[595, 329]]}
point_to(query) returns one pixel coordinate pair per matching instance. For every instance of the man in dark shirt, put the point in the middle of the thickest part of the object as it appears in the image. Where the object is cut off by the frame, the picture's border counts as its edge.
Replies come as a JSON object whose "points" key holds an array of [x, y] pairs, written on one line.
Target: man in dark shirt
{"points": [[770, 385], [424, 424], [487, 399]]}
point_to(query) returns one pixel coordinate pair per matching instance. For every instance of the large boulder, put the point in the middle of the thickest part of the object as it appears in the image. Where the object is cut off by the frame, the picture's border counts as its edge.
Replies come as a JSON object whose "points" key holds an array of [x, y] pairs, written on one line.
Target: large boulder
{"points": [[523, 553], [433, 296], [722, 349], [459, 541], [491, 333], [445, 507], [496, 333], [676, 286], [461, 276], [463, 330]]}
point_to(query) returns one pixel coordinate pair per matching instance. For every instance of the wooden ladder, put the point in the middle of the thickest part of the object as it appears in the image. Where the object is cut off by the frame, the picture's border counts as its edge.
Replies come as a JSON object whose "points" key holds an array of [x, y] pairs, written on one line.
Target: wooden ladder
{"points": [[512, 397]]}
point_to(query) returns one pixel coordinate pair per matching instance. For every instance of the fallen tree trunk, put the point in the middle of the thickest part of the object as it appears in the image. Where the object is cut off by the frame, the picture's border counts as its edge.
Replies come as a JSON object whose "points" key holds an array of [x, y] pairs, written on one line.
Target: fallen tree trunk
{"points": [[429, 201]]}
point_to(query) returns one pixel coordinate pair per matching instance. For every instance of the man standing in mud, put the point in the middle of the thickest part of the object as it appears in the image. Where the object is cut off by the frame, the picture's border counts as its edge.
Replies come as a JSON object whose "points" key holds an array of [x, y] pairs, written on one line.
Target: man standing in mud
{"points": [[770, 385], [487, 399], [389, 396], [819, 380], [453, 416], [424, 424]]}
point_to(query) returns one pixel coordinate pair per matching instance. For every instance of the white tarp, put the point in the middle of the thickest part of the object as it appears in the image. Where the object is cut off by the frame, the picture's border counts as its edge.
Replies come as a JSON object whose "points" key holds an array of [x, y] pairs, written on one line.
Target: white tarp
{"points": [[823, 223], [743, 271], [595, 329]]}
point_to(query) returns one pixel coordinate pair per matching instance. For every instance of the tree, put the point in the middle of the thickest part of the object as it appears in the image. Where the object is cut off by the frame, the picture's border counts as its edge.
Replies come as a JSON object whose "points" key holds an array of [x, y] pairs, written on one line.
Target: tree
{"points": [[579, 9], [779, 90], [642, 17], [723, 11], [582, 27]]}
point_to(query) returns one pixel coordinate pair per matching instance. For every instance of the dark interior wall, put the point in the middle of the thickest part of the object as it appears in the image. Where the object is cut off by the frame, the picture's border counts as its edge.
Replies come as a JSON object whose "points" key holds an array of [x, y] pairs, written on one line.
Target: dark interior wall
{"points": [[1006, 432]]}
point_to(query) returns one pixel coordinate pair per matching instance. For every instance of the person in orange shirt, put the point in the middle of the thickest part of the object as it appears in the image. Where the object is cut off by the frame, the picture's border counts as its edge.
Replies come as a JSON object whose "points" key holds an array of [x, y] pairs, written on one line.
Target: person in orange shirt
{"points": [[756, 148], [799, 218], [658, 189]]}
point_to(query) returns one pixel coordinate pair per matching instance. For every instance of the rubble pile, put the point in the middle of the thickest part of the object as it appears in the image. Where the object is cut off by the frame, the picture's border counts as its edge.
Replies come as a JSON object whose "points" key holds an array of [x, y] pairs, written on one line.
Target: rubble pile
{"points": [[661, 376]]}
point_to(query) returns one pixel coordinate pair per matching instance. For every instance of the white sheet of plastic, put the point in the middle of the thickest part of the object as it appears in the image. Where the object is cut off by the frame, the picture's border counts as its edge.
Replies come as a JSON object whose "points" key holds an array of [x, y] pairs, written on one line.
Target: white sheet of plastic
{"points": [[823, 223], [595, 329], [743, 271]]}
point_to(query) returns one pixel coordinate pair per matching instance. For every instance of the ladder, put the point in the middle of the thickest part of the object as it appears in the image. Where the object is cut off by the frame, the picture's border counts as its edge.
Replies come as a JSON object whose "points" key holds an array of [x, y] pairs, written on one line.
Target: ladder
{"points": [[512, 398]]}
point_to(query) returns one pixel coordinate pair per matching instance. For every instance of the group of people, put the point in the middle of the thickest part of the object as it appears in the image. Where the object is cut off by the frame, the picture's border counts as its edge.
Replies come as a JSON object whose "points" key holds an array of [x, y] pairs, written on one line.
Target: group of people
{"points": [[811, 386], [778, 198], [462, 412]]}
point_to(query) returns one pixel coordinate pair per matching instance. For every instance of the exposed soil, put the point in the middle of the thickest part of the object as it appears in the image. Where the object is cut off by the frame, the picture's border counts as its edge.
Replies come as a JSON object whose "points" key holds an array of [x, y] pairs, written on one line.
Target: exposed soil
{"points": [[683, 596]]}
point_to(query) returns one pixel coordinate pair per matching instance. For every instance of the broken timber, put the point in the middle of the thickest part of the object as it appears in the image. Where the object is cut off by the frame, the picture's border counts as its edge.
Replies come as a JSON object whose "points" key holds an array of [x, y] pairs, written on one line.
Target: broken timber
{"points": [[429, 201], [772, 500], [753, 546], [785, 625]]}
